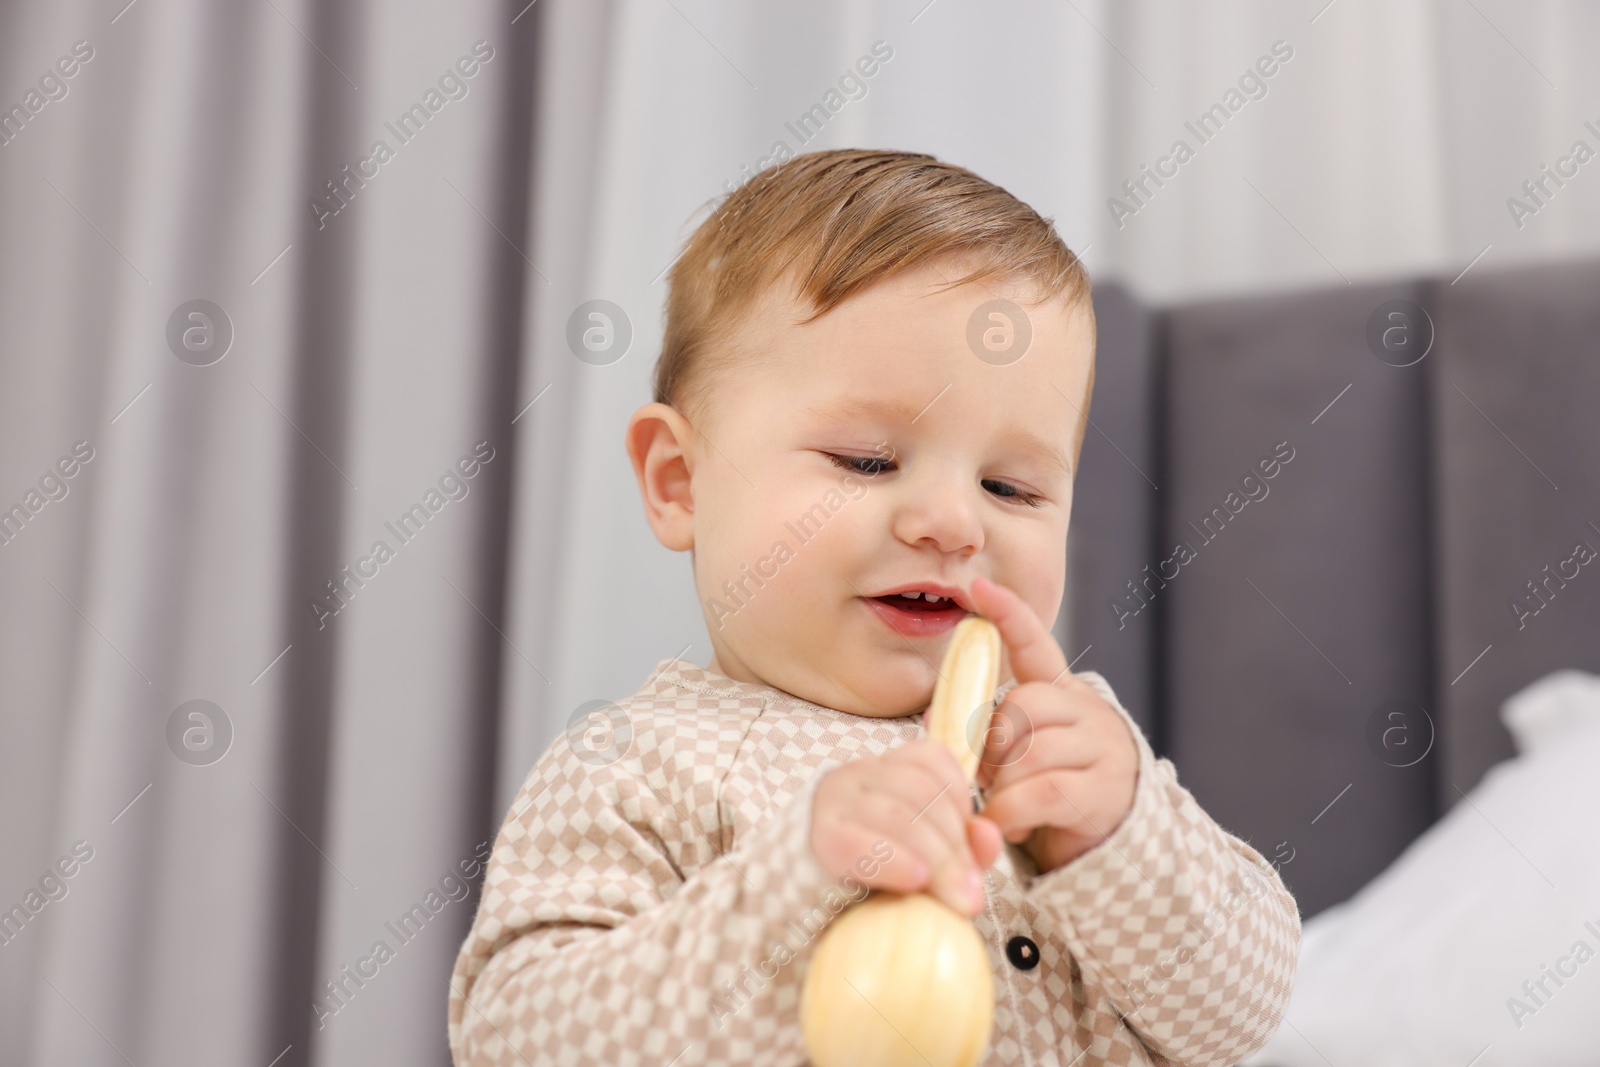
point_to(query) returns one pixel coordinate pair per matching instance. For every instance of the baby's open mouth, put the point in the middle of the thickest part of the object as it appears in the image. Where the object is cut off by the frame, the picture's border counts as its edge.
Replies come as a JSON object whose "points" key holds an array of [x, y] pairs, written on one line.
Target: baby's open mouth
{"points": [[919, 602], [917, 612]]}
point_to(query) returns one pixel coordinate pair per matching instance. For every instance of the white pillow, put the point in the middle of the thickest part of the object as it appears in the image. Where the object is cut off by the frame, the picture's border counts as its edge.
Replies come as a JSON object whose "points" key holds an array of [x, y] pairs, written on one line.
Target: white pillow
{"points": [[1426, 965]]}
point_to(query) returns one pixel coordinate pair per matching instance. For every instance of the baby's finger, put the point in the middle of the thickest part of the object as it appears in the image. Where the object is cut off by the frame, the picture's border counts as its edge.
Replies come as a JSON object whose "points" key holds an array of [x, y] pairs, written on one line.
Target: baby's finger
{"points": [[1057, 798], [930, 801], [1028, 712], [944, 775], [933, 757], [1034, 654], [954, 791], [984, 838], [1055, 747], [851, 849], [953, 873]]}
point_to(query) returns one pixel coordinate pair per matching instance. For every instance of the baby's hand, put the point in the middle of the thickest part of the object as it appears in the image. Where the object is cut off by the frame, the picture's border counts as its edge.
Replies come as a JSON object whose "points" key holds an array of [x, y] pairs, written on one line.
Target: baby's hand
{"points": [[915, 799], [1060, 765]]}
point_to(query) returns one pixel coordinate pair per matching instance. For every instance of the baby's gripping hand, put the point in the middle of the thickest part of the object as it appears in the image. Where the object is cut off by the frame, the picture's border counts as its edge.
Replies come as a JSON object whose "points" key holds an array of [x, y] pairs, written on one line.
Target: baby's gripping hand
{"points": [[915, 799], [1060, 766]]}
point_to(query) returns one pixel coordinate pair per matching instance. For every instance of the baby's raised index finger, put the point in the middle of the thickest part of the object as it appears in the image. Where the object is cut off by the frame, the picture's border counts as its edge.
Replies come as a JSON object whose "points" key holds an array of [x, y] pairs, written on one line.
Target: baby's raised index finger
{"points": [[1035, 656]]}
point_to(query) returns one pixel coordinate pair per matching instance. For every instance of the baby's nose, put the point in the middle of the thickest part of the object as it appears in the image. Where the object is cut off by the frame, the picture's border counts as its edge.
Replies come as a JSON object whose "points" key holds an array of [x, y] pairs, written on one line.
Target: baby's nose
{"points": [[944, 515]]}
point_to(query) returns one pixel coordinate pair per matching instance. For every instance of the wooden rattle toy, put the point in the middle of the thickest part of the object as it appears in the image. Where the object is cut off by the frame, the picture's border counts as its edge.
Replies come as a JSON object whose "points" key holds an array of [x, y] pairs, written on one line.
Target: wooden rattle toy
{"points": [[902, 980]]}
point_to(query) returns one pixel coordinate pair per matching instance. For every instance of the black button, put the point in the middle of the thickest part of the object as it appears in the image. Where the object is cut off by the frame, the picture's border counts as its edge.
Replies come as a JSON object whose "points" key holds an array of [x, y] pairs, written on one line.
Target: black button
{"points": [[1023, 953]]}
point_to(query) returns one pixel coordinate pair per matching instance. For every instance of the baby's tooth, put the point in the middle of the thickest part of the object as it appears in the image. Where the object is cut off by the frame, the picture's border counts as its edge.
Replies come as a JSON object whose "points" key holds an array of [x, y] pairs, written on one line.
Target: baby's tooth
{"points": [[934, 599], [912, 595]]}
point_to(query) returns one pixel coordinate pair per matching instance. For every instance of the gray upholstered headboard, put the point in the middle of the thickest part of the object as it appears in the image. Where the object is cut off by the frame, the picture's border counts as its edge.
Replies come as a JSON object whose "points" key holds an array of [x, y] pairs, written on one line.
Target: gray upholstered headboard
{"points": [[1279, 659]]}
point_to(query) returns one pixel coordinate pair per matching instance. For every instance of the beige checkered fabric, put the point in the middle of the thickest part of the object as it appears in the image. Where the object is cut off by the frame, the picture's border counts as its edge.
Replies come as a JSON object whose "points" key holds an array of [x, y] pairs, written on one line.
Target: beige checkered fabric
{"points": [[652, 899]]}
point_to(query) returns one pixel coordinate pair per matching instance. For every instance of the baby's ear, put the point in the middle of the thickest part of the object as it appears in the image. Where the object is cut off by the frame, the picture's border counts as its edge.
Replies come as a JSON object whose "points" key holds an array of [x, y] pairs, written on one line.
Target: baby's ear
{"points": [[657, 442]]}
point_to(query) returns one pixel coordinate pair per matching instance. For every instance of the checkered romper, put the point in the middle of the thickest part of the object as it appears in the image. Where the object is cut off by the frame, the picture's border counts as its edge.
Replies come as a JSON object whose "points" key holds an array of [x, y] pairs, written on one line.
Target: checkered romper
{"points": [[641, 890]]}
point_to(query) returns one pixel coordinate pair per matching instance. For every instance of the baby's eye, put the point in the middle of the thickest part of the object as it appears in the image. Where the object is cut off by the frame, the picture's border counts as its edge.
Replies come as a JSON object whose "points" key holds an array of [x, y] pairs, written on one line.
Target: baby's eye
{"points": [[1011, 492], [861, 464]]}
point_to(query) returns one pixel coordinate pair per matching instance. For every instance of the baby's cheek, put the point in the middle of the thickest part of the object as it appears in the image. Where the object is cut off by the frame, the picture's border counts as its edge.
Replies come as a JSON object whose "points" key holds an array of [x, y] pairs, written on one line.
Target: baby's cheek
{"points": [[1036, 567], [1047, 592], [806, 570]]}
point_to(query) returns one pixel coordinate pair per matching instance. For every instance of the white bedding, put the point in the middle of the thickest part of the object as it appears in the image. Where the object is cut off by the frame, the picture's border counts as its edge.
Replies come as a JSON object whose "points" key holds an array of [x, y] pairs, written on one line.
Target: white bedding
{"points": [[1426, 966]]}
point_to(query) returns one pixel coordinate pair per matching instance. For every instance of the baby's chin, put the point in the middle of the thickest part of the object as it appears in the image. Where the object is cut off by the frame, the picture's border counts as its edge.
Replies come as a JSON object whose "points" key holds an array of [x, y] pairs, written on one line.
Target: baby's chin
{"points": [[888, 690]]}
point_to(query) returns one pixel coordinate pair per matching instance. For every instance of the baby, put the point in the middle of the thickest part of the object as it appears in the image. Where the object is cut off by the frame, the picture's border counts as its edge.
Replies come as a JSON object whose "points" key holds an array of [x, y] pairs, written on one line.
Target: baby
{"points": [[868, 411]]}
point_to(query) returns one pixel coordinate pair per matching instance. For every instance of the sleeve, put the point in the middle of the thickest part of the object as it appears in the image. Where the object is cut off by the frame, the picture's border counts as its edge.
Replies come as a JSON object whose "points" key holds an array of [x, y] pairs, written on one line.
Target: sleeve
{"points": [[591, 947], [1186, 931]]}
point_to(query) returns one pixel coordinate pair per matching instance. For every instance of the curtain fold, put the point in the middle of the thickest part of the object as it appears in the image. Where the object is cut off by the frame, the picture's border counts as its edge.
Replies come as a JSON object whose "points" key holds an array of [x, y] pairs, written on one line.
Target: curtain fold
{"points": [[275, 742]]}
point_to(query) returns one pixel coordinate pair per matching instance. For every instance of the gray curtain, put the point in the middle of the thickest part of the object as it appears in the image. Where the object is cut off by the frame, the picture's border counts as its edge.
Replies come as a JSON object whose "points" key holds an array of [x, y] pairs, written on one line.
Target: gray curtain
{"points": [[1326, 669], [250, 790]]}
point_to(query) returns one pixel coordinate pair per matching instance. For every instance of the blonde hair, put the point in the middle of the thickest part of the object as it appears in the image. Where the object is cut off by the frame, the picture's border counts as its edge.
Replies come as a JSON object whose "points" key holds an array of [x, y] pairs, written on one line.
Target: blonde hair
{"points": [[836, 222]]}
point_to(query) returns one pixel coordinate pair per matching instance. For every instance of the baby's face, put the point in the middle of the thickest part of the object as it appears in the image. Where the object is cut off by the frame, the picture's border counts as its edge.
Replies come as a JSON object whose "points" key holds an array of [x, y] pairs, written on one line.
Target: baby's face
{"points": [[841, 466]]}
